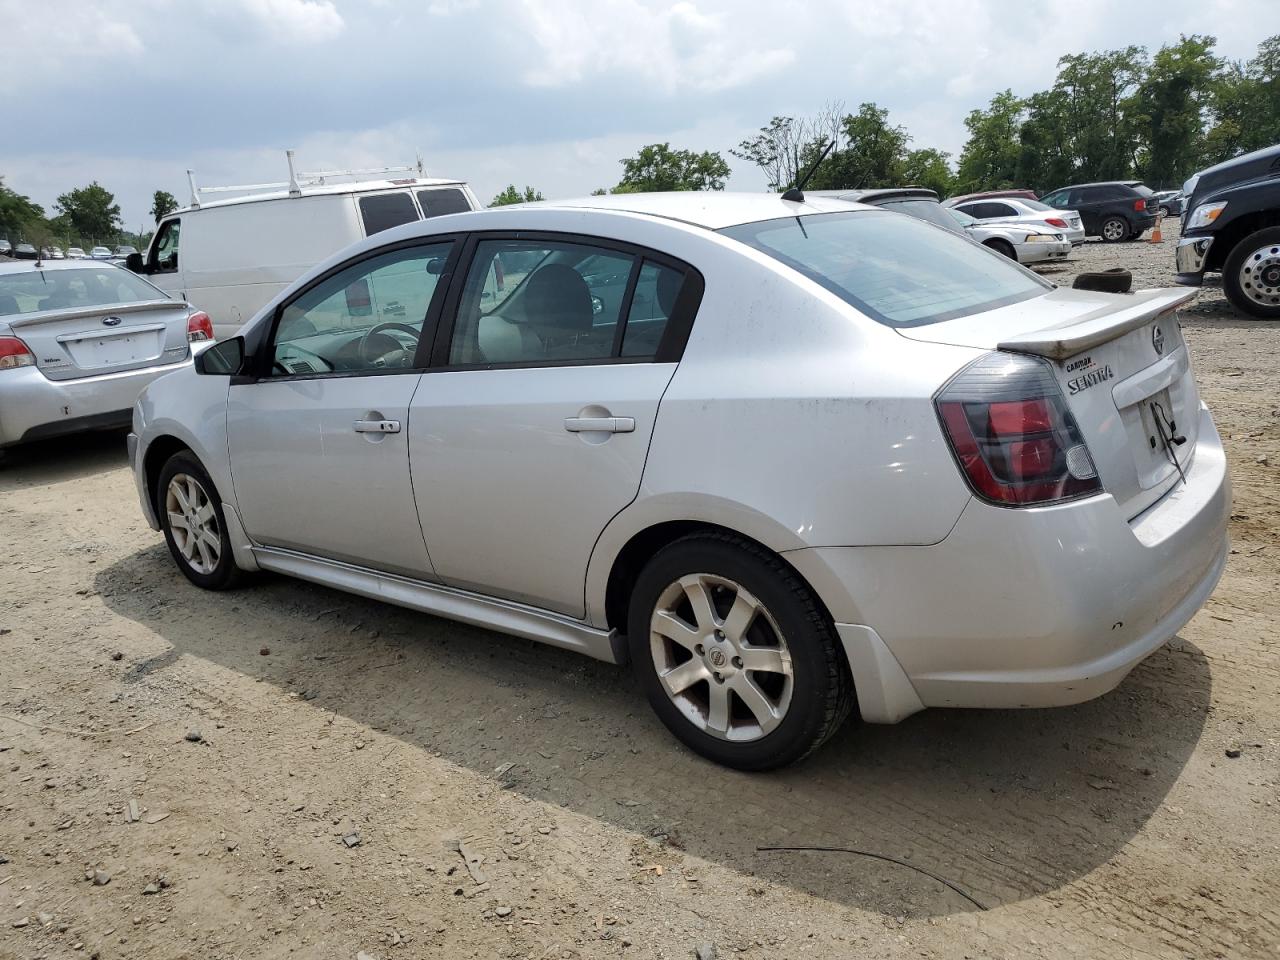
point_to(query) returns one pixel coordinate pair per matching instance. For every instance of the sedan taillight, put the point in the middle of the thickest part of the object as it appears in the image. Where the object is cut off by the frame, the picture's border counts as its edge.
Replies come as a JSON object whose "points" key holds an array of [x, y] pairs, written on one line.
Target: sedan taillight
{"points": [[199, 327], [1056, 222], [1012, 434], [14, 353]]}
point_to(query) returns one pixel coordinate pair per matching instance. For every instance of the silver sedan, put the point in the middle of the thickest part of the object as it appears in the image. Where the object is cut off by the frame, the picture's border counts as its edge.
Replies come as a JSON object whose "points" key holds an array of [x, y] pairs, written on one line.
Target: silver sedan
{"points": [[1029, 212], [1025, 244], [79, 339]]}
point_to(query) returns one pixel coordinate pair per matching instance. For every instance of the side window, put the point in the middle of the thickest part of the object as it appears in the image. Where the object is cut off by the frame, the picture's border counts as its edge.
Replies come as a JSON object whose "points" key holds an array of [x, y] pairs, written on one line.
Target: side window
{"points": [[368, 317], [437, 203], [164, 253], [540, 302], [382, 211], [980, 210], [655, 299], [1055, 200], [1001, 210]]}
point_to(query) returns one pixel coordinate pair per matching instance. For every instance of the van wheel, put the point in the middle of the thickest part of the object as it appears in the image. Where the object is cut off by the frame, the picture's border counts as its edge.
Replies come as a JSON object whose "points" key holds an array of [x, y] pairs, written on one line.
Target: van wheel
{"points": [[735, 653], [1251, 275], [1115, 229], [190, 512]]}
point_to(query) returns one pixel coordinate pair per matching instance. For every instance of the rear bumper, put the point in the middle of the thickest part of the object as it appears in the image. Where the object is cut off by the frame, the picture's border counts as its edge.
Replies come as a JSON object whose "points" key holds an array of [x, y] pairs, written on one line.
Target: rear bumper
{"points": [[1037, 607], [1191, 255], [33, 407]]}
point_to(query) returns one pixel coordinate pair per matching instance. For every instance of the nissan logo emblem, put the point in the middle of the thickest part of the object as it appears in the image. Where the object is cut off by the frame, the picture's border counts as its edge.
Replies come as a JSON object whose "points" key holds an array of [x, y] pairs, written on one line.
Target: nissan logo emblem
{"points": [[1157, 339], [111, 321]]}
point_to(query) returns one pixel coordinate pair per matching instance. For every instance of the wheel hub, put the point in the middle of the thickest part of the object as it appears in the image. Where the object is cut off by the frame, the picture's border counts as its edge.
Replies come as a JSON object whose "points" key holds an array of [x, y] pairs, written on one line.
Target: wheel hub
{"points": [[1260, 276]]}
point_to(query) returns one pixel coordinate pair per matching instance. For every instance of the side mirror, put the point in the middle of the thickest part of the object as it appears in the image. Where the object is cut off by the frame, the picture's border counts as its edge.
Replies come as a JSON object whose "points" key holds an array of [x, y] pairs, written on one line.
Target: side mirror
{"points": [[223, 359], [134, 262]]}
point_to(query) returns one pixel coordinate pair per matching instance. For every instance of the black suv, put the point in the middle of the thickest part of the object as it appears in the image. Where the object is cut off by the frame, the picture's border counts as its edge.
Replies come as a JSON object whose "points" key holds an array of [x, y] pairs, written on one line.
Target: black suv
{"points": [[1232, 224], [1119, 210]]}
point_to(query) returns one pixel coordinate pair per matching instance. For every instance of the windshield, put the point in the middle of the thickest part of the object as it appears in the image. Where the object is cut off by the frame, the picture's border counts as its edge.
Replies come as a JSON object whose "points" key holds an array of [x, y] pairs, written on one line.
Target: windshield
{"points": [[31, 291], [896, 270]]}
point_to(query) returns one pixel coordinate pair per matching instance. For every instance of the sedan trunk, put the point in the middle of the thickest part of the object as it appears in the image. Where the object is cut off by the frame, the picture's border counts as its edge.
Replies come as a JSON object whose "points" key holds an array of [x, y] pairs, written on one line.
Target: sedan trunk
{"points": [[88, 341]]}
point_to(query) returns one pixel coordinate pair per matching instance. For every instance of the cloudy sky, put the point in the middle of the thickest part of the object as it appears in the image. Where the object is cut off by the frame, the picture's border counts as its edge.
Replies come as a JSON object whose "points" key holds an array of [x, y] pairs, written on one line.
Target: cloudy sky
{"points": [[547, 92]]}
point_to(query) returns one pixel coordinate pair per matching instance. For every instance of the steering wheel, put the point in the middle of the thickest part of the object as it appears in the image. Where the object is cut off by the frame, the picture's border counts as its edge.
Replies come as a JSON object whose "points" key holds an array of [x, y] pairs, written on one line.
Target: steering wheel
{"points": [[379, 328]]}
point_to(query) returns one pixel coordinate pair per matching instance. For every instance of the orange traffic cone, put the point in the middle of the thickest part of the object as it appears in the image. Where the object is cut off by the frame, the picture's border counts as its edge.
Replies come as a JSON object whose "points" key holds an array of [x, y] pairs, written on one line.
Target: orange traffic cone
{"points": [[1155, 234]]}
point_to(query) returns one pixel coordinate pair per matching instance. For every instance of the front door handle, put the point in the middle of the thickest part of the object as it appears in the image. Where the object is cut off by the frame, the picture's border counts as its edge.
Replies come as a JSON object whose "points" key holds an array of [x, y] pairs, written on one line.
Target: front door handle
{"points": [[600, 424], [376, 426]]}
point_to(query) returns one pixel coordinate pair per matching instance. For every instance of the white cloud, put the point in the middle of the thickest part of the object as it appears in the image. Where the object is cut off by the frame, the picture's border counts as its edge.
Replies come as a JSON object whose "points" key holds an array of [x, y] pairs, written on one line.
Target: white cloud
{"points": [[302, 21], [80, 36]]}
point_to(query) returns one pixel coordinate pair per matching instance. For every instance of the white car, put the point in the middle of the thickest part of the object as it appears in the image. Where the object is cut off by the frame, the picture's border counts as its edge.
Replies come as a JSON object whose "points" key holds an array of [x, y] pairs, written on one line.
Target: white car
{"points": [[78, 342], [75, 253], [1027, 245], [1033, 213], [100, 253], [772, 452]]}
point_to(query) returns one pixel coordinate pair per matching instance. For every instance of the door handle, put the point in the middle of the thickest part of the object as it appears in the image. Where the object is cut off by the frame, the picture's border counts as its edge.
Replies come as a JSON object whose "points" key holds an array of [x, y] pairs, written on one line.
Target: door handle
{"points": [[376, 426], [600, 424]]}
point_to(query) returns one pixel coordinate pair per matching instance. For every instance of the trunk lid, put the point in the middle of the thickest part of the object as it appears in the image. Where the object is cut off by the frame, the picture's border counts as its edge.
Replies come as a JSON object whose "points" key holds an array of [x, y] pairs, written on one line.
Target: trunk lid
{"points": [[1124, 370], [90, 341]]}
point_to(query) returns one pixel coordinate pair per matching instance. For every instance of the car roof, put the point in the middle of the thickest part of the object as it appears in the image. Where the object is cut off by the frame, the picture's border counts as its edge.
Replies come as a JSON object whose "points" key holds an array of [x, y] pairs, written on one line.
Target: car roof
{"points": [[876, 194], [712, 209], [1100, 183], [19, 266], [328, 189]]}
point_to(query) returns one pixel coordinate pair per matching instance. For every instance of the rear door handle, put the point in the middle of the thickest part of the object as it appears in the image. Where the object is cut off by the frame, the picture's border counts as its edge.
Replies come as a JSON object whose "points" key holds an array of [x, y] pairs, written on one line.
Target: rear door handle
{"points": [[600, 424], [376, 426]]}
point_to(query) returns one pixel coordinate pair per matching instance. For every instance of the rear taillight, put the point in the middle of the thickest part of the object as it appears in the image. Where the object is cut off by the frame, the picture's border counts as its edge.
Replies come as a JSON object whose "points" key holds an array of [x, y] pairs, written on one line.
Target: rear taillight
{"points": [[1012, 434], [1140, 205], [199, 327], [1056, 222], [14, 353]]}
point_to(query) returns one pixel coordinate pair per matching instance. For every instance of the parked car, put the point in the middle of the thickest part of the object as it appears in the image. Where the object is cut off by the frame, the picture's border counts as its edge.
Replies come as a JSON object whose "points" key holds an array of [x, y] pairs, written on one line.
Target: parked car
{"points": [[123, 250], [993, 195], [25, 251], [1033, 213], [75, 253], [79, 340], [1170, 202], [6, 248], [52, 253], [237, 254], [1234, 227], [651, 470], [1021, 243], [99, 253], [1113, 211], [1027, 245]]}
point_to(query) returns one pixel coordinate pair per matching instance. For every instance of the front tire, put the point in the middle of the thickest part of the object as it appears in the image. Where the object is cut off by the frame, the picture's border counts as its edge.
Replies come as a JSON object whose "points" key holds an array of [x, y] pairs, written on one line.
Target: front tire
{"points": [[1115, 229], [735, 653], [1251, 274], [1003, 248], [190, 513]]}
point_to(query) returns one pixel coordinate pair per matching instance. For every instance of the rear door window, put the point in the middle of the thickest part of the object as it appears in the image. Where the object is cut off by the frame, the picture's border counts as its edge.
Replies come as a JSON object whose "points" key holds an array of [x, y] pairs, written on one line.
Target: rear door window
{"points": [[438, 203], [382, 211]]}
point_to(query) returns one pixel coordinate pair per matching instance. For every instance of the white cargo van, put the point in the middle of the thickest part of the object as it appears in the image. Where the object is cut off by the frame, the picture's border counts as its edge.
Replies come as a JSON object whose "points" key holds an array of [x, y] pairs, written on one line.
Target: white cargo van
{"points": [[229, 257]]}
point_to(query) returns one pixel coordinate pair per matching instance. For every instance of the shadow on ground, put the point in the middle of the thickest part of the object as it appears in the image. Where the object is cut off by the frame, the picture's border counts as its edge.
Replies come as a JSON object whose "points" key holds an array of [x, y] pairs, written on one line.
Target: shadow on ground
{"points": [[63, 458], [1004, 804]]}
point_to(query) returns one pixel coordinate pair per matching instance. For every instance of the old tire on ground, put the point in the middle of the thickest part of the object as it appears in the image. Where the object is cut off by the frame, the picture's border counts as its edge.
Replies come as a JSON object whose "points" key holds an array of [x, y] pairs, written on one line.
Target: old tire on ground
{"points": [[735, 653], [1114, 280], [1114, 229], [190, 513], [1251, 274]]}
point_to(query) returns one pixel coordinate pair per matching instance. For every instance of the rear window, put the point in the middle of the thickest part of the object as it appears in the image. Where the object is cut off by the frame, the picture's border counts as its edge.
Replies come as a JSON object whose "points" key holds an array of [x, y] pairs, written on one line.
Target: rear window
{"points": [[386, 210], [929, 211], [31, 291], [437, 203], [894, 269]]}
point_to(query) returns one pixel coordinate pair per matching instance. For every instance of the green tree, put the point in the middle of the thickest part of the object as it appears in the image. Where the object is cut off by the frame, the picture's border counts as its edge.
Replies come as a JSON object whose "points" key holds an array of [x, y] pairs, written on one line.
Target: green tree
{"points": [[512, 195], [162, 204], [1044, 143], [91, 211], [1245, 105], [599, 192], [989, 159], [1102, 110], [1170, 104], [657, 167], [18, 213], [930, 168], [872, 153]]}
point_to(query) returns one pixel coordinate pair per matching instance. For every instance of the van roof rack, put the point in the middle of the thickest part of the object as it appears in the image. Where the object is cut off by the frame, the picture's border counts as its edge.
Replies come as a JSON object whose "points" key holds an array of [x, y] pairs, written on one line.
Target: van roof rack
{"points": [[297, 180]]}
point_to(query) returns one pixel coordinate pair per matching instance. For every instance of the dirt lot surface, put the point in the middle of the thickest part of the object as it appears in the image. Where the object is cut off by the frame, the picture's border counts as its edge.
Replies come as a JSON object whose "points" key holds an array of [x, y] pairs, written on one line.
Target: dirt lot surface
{"points": [[303, 764]]}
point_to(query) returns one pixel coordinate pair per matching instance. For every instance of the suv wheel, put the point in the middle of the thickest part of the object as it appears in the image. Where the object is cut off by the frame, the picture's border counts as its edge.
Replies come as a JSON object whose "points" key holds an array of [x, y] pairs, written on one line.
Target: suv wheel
{"points": [[1251, 275], [735, 653], [1115, 229], [190, 513]]}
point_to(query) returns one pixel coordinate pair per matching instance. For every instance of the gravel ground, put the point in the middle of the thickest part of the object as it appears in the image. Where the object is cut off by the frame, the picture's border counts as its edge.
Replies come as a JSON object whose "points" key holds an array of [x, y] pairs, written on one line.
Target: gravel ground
{"points": [[303, 765]]}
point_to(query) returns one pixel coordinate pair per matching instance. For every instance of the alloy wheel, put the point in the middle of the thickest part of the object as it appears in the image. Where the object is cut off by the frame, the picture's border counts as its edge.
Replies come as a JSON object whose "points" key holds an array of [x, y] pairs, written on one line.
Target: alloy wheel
{"points": [[1114, 229], [193, 523], [1260, 276], [721, 658]]}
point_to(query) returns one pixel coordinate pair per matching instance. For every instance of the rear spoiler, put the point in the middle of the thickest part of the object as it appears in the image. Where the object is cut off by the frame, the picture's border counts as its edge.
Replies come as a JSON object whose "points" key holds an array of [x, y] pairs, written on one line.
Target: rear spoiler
{"points": [[19, 320], [1102, 325]]}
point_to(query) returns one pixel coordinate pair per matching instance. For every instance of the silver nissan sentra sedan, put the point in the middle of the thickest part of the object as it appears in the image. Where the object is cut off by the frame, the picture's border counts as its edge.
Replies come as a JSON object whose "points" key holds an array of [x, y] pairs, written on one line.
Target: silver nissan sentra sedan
{"points": [[78, 342], [787, 457]]}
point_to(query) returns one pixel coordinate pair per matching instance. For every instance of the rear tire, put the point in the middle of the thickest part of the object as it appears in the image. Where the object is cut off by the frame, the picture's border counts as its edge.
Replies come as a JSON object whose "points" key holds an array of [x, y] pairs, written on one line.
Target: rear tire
{"points": [[1251, 274], [190, 513], [736, 654], [1115, 229]]}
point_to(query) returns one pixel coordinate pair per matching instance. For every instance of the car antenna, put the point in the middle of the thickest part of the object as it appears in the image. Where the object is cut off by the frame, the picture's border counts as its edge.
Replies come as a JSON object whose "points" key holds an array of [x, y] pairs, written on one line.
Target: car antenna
{"points": [[796, 193]]}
